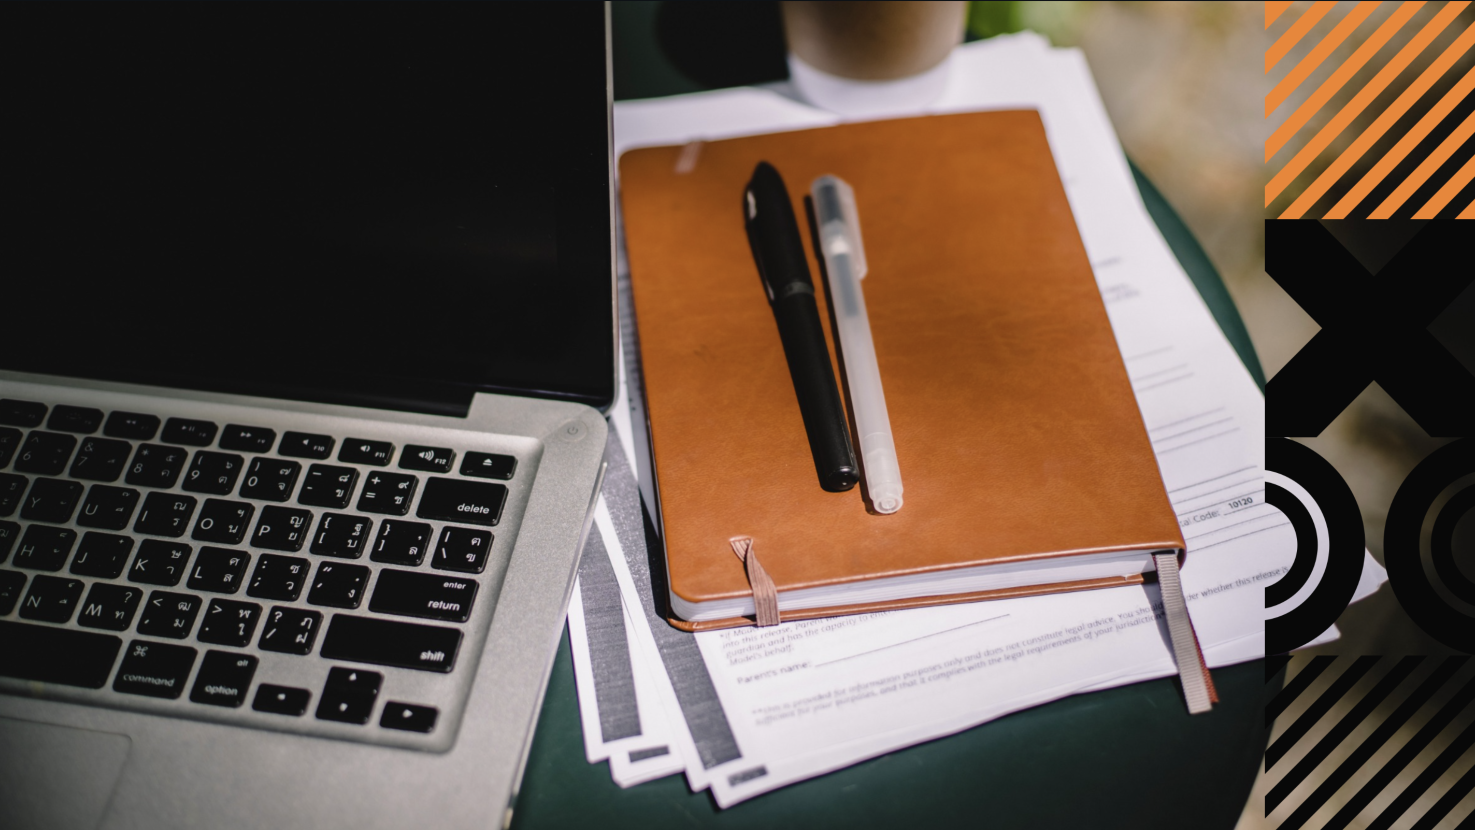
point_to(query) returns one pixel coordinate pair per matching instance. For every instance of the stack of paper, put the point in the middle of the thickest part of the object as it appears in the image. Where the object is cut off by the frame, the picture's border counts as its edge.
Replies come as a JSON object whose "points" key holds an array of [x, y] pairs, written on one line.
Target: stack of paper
{"points": [[745, 711]]}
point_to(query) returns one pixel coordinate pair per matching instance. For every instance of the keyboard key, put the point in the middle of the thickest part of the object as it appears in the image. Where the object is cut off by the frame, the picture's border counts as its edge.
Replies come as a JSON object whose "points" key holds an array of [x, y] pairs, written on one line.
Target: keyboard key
{"points": [[281, 700], [101, 459], [9, 532], [102, 555], [78, 419], [51, 500], [432, 596], [360, 451], [462, 549], [159, 563], [51, 599], [45, 453], [155, 465], [57, 655], [44, 548], [428, 459], [348, 696], [154, 669], [401, 543], [391, 643], [342, 535], [223, 522], [213, 472], [327, 486], [247, 439], [9, 442], [282, 528], [219, 570], [453, 500], [12, 489], [165, 514], [278, 577], [109, 607], [338, 585], [108, 508], [169, 615], [223, 679], [290, 630], [11, 583], [408, 717], [387, 493], [131, 425], [188, 432], [270, 479], [487, 465], [21, 413], [229, 623], [306, 445]]}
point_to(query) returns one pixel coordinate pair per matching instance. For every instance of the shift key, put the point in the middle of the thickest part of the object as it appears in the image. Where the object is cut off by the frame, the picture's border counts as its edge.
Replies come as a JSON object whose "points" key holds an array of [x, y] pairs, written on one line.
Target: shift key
{"points": [[390, 643], [466, 502]]}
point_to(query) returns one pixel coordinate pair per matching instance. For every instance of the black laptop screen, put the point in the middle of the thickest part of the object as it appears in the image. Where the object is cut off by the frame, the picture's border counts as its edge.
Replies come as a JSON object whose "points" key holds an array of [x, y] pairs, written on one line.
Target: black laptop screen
{"points": [[373, 204]]}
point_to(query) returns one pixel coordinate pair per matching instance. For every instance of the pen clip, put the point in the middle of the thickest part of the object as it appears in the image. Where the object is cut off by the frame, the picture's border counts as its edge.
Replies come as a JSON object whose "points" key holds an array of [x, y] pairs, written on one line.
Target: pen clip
{"points": [[839, 222]]}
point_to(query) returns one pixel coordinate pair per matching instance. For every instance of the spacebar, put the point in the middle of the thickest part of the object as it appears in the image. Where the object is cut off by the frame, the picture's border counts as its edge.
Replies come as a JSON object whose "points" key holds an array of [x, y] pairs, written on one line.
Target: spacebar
{"points": [[57, 655], [389, 643]]}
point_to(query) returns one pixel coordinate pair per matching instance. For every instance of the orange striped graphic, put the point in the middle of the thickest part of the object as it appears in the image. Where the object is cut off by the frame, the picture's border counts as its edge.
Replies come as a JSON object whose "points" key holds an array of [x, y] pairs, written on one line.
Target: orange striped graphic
{"points": [[1362, 126]]}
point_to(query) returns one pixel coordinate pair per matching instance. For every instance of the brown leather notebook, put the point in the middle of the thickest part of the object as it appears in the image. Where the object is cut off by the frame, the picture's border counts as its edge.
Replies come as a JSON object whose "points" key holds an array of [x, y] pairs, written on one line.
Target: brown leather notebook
{"points": [[1025, 461]]}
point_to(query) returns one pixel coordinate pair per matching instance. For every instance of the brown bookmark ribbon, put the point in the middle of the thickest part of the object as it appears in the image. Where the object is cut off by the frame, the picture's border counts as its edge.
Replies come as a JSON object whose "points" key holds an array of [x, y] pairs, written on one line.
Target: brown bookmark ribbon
{"points": [[765, 595], [1198, 686]]}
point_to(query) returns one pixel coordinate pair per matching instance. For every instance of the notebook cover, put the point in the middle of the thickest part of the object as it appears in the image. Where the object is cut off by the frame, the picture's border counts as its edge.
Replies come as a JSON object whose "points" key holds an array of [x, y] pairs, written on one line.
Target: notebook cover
{"points": [[1016, 429]]}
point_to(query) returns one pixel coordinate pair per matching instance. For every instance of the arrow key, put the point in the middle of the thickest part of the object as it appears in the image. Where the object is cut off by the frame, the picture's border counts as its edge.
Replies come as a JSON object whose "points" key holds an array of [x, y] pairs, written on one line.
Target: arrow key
{"points": [[349, 695]]}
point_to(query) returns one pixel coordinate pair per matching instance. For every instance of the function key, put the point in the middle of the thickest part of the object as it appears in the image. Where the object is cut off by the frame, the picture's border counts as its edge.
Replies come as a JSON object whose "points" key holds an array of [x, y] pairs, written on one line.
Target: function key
{"points": [[306, 445], [45, 453], [470, 502], [281, 700], [428, 459], [74, 419], [9, 441], [487, 465], [247, 439], [155, 465], [21, 413], [408, 717], [100, 459], [348, 696], [360, 451], [223, 679], [188, 432], [131, 425], [154, 669]]}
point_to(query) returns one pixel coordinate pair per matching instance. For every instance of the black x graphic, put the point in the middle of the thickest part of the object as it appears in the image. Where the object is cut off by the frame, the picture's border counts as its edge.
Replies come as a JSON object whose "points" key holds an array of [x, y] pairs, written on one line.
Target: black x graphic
{"points": [[1372, 328]]}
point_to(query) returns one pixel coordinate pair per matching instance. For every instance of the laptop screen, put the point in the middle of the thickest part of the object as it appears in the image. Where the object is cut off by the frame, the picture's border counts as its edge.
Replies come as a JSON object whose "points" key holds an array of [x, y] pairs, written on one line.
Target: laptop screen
{"points": [[380, 205]]}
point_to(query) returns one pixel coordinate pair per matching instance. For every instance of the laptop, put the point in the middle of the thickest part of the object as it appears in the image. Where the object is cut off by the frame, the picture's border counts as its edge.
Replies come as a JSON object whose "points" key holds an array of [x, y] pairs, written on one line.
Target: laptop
{"points": [[306, 323]]}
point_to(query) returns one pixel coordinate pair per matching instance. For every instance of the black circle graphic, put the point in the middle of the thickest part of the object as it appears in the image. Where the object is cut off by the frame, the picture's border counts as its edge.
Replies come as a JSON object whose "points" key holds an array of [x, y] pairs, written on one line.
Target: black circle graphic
{"points": [[1345, 543], [1401, 544]]}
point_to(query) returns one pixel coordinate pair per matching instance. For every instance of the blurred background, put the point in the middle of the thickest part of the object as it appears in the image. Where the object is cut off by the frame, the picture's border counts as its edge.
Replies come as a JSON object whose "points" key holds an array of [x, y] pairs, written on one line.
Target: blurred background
{"points": [[1185, 84]]}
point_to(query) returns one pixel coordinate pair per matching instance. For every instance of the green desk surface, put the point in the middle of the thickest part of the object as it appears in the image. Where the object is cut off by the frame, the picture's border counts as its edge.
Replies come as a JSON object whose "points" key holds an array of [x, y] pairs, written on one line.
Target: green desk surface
{"points": [[1126, 757]]}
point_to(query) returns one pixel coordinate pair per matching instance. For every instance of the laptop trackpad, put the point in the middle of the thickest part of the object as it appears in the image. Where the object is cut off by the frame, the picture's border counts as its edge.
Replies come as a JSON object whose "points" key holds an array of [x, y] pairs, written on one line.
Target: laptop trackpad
{"points": [[56, 776]]}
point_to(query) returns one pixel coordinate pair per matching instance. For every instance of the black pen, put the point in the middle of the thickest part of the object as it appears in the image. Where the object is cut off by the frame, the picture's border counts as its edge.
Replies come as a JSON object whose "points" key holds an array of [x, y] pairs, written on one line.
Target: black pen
{"points": [[778, 249]]}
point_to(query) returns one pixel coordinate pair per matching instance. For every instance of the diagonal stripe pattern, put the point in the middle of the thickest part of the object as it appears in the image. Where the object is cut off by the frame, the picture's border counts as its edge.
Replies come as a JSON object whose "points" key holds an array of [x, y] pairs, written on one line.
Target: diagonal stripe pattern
{"points": [[1386, 119], [1368, 742]]}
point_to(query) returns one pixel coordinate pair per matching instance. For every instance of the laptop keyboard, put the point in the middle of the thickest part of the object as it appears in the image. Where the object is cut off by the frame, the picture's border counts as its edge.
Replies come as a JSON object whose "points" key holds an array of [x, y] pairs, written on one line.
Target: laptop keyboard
{"points": [[246, 573]]}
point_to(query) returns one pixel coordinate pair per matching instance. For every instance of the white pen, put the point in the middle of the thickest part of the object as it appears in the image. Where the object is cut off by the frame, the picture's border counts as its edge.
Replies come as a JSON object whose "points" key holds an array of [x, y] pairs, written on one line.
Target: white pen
{"points": [[845, 263]]}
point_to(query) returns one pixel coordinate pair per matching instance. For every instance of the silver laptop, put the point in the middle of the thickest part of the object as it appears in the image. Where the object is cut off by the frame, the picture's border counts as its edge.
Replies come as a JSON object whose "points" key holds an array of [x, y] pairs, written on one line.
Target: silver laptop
{"points": [[306, 319]]}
